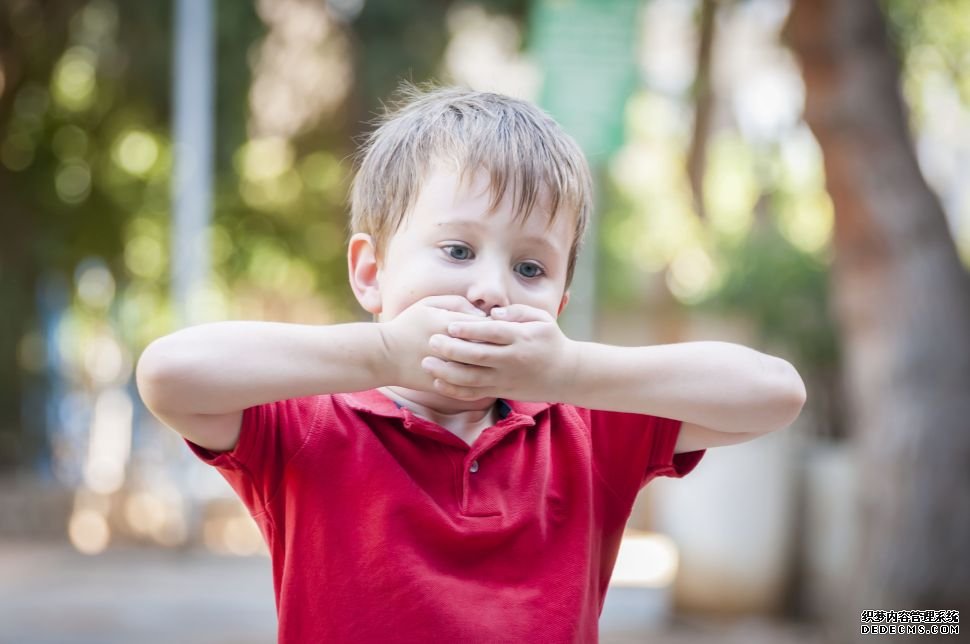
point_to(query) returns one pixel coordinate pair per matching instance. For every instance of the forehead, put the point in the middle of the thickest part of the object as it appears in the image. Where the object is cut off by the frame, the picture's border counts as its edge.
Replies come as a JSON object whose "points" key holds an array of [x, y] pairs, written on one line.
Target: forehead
{"points": [[447, 199]]}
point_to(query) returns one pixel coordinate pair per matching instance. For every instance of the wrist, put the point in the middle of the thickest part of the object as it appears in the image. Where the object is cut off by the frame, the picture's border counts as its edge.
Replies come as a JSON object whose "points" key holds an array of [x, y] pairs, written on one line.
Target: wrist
{"points": [[383, 366], [569, 368]]}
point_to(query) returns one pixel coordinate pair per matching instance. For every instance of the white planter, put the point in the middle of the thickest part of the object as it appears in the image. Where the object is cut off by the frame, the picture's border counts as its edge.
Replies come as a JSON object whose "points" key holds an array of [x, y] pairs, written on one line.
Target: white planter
{"points": [[732, 519]]}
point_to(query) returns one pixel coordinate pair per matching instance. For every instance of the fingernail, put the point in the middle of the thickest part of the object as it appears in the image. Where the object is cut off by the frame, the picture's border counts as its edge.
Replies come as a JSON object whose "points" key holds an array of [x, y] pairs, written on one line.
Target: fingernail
{"points": [[498, 313]]}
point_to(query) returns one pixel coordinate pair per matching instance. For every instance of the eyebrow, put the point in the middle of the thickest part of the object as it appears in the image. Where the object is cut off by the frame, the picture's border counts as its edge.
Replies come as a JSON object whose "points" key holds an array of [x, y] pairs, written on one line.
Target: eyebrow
{"points": [[472, 223]]}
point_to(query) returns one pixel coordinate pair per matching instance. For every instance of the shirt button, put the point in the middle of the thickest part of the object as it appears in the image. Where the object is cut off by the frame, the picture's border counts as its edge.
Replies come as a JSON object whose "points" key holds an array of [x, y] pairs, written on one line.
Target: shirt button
{"points": [[474, 467]]}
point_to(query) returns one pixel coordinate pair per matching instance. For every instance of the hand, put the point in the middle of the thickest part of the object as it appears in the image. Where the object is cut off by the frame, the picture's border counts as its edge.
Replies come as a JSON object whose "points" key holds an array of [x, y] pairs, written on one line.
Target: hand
{"points": [[522, 355], [406, 337]]}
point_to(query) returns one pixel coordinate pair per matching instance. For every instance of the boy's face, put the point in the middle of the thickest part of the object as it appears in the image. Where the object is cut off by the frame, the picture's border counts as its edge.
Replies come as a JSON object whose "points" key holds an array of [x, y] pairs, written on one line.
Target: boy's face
{"points": [[450, 245]]}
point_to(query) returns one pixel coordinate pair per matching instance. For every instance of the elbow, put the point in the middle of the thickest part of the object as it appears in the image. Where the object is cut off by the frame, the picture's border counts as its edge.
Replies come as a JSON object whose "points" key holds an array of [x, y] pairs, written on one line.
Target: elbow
{"points": [[146, 375], [155, 367], [783, 394], [790, 392]]}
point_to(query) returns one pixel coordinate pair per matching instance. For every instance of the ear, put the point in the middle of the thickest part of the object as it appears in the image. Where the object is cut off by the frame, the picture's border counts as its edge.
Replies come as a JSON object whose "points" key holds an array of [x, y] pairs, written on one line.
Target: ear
{"points": [[563, 303], [363, 271]]}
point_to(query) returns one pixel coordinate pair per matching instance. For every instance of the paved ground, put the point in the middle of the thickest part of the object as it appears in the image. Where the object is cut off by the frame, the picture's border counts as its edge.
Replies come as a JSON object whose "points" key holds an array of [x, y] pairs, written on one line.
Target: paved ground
{"points": [[49, 594]]}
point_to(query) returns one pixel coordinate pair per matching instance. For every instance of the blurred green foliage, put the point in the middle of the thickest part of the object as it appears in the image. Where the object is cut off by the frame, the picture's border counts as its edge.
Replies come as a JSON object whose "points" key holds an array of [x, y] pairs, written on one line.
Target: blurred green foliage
{"points": [[86, 157], [933, 43]]}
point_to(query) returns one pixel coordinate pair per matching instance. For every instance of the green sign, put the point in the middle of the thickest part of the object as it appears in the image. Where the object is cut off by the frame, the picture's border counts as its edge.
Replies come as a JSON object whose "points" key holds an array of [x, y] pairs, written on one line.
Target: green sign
{"points": [[587, 52]]}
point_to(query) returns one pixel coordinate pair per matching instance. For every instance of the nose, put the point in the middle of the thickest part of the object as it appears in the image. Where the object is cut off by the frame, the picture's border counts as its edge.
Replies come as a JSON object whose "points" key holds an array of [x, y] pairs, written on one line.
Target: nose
{"points": [[488, 289]]}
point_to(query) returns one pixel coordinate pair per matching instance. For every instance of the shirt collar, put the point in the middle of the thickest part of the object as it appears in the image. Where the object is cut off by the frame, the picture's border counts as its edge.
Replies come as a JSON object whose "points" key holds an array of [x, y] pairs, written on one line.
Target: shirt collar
{"points": [[374, 402]]}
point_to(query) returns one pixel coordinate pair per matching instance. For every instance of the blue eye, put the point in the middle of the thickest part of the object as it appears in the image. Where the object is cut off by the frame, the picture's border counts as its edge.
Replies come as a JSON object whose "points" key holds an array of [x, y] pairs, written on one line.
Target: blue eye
{"points": [[530, 270], [458, 252]]}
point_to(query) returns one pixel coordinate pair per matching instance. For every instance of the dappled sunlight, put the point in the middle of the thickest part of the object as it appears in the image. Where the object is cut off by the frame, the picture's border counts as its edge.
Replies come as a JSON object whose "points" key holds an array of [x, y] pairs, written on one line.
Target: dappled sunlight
{"points": [[655, 118], [95, 25], [145, 257], [157, 514], [692, 275], [210, 300], [801, 161], [88, 531], [19, 147], [268, 179], [136, 152], [756, 77], [95, 284], [643, 169], [321, 171], [105, 361], [731, 186], [807, 223], [74, 83], [109, 445], [668, 42], [272, 267], [301, 70], [73, 181], [145, 313], [233, 535], [146, 512], [769, 103], [264, 159], [484, 53]]}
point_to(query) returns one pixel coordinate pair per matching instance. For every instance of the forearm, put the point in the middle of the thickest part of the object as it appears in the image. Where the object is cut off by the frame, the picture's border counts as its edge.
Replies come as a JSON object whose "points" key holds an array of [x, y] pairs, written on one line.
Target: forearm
{"points": [[221, 367], [719, 385]]}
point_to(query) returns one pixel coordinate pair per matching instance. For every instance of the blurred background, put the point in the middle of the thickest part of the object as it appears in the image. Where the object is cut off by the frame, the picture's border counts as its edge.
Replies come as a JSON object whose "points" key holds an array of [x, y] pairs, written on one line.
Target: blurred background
{"points": [[793, 176]]}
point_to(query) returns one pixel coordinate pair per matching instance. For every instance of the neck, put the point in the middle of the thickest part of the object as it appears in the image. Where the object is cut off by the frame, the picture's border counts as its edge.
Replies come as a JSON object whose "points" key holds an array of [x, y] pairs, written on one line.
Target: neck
{"points": [[461, 417]]}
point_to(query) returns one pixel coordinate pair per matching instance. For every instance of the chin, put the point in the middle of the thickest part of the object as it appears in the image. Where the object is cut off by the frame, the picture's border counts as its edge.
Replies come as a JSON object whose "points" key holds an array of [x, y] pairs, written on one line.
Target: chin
{"points": [[464, 404]]}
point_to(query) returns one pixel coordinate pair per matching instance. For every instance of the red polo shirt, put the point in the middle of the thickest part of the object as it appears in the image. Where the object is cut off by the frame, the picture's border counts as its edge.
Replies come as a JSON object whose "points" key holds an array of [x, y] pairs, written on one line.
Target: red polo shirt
{"points": [[385, 526]]}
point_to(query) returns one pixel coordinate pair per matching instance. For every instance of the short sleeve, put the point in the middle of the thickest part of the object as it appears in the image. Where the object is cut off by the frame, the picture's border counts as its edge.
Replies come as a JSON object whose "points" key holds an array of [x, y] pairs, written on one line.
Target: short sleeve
{"points": [[270, 436], [633, 449]]}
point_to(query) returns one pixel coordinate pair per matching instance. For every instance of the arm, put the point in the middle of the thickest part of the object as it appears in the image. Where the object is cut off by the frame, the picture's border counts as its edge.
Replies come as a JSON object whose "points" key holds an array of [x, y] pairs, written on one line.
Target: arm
{"points": [[718, 385], [199, 380], [724, 393]]}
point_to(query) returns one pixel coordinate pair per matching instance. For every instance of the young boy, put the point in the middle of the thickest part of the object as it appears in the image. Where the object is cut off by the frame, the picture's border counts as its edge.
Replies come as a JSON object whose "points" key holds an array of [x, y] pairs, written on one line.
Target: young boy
{"points": [[457, 470]]}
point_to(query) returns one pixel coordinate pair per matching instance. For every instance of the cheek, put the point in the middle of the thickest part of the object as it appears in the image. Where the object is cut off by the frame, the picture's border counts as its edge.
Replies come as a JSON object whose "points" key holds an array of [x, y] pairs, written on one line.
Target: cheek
{"points": [[430, 276], [403, 287], [547, 297]]}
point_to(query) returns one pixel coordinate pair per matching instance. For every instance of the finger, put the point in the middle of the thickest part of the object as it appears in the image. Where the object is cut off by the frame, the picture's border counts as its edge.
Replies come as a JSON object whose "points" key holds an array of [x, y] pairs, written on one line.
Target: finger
{"points": [[461, 375], [481, 354], [491, 331], [455, 303], [521, 313]]}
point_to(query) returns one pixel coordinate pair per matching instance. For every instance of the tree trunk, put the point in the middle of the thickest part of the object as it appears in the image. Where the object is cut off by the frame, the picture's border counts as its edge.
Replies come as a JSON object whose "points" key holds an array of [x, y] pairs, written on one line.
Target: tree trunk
{"points": [[902, 302], [703, 106]]}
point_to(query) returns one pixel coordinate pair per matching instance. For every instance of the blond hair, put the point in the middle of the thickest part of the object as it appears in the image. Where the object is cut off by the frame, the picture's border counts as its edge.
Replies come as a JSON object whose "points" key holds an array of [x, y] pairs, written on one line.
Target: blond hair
{"points": [[521, 147]]}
